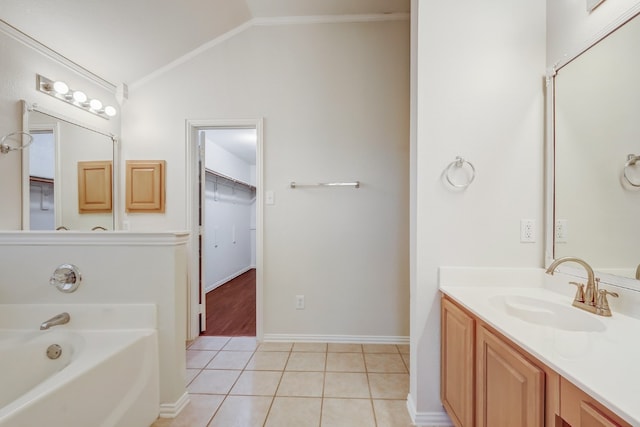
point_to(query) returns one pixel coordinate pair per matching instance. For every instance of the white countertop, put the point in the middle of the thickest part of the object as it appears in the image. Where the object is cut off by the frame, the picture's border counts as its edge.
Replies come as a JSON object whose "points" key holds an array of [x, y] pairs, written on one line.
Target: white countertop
{"points": [[606, 364]]}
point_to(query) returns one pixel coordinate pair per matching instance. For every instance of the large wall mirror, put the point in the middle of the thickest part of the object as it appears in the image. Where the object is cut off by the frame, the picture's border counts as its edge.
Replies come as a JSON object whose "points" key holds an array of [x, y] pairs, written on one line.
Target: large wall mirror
{"points": [[68, 174], [596, 210]]}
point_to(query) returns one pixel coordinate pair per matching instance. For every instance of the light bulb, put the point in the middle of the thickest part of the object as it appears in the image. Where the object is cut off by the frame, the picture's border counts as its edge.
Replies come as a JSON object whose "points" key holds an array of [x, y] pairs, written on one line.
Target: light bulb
{"points": [[95, 104], [61, 88], [79, 96], [110, 111]]}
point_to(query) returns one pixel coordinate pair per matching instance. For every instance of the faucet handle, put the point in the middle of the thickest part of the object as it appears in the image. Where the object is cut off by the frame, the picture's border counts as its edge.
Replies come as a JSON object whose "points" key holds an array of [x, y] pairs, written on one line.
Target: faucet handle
{"points": [[66, 278], [602, 305], [579, 292]]}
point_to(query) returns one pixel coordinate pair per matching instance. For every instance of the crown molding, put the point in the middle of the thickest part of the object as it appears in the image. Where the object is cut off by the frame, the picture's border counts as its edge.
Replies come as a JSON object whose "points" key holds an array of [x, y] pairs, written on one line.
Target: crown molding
{"points": [[606, 31], [330, 19], [46, 51], [274, 21], [187, 57]]}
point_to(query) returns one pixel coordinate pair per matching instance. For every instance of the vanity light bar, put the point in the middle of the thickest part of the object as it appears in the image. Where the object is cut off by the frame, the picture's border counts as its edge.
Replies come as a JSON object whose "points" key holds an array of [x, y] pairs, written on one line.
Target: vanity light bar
{"points": [[63, 92]]}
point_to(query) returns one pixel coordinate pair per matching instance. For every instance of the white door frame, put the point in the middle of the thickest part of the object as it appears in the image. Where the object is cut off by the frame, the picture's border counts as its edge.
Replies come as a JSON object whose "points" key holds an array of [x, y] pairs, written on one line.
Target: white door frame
{"points": [[192, 191]]}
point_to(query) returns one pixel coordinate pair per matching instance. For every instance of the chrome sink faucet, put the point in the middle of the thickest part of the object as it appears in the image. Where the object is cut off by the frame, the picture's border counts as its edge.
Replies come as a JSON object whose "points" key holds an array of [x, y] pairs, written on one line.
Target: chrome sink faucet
{"points": [[592, 299], [60, 319]]}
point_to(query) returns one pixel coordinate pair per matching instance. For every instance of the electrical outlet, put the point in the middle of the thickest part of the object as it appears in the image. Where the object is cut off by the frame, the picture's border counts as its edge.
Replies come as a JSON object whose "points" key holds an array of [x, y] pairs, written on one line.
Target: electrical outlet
{"points": [[299, 302], [527, 230], [561, 231]]}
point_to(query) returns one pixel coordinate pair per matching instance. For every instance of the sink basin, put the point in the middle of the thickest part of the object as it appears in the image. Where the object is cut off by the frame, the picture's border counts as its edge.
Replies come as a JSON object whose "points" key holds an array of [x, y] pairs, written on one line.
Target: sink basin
{"points": [[546, 313]]}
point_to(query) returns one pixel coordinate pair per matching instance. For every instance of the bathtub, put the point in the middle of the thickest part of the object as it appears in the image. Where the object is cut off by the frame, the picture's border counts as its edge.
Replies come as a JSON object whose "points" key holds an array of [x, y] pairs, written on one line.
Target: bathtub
{"points": [[106, 374]]}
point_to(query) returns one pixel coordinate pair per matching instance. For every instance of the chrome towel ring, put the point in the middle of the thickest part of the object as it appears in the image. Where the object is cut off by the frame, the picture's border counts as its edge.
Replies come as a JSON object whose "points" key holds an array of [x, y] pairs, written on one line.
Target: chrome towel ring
{"points": [[459, 163], [632, 159], [5, 148]]}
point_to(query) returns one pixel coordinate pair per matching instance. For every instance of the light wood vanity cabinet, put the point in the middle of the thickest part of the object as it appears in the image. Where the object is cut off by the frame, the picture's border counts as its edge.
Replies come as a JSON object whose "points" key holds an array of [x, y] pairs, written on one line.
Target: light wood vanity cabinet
{"points": [[580, 409], [510, 389], [488, 381], [457, 349]]}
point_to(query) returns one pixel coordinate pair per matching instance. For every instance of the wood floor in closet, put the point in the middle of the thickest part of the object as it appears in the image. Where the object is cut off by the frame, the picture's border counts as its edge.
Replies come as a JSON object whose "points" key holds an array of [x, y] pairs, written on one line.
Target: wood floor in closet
{"points": [[231, 307]]}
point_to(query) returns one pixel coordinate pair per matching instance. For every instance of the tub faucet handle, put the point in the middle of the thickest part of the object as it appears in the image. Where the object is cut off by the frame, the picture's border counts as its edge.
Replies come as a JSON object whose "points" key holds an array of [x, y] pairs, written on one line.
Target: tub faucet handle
{"points": [[66, 278]]}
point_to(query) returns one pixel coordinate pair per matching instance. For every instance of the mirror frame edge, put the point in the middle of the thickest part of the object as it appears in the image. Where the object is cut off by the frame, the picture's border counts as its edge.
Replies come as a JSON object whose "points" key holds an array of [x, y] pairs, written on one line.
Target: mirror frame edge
{"points": [[25, 167]]}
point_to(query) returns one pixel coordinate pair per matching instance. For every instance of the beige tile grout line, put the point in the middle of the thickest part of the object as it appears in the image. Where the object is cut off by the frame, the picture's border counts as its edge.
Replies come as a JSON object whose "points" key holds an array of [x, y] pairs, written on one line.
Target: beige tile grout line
{"points": [[275, 393], [291, 350]]}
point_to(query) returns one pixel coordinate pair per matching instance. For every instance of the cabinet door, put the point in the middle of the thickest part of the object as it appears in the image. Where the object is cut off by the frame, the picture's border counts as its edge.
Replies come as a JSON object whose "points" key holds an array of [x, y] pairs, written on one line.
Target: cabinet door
{"points": [[456, 367], [510, 389], [95, 186], [578, 409]]}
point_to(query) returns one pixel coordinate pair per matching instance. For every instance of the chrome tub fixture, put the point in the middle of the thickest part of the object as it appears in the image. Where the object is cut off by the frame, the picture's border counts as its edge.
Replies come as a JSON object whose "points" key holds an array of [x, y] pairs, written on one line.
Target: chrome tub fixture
{"points": [[66, 278], [593, 299], [60, 319]]}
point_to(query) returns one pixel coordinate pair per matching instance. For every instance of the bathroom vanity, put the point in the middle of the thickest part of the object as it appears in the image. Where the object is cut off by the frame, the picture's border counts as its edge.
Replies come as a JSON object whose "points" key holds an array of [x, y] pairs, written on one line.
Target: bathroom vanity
{"points": [[513, 356]]}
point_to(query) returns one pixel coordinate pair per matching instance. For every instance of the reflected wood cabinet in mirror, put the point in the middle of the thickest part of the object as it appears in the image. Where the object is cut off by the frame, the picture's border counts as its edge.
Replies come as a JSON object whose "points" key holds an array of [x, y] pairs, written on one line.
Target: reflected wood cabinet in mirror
{"points": [[94, 186], [489, 381]]}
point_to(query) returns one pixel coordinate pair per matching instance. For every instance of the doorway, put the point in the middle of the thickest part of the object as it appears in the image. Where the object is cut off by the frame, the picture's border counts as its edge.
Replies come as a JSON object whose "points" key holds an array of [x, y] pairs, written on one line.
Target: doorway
{"points": [[225, 212], [42, 185], [228, 214]]}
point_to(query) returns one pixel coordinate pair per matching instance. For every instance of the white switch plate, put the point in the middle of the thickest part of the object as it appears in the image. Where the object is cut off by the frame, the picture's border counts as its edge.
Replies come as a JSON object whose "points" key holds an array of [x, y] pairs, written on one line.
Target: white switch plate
{"points": [[527, 230], [299, 302], [269, 197]]}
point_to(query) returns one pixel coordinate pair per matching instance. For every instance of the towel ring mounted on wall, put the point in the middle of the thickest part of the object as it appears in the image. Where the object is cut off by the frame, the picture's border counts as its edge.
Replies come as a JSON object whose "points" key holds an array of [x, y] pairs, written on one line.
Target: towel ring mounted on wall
{"points": [[5, 148], [632, 159], [458, 163]]}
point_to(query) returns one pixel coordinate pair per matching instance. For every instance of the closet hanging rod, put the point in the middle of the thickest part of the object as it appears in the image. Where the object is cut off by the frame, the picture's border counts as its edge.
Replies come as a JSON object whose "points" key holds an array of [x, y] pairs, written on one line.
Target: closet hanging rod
{"points": [[354, 184], [223, 176]]}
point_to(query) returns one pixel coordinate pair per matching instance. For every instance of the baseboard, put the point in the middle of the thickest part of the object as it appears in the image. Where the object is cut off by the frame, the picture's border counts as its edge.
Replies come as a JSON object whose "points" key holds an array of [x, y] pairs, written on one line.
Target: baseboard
{"points": [[427, 419], [226, 279], [351, 339], [171, 410]]}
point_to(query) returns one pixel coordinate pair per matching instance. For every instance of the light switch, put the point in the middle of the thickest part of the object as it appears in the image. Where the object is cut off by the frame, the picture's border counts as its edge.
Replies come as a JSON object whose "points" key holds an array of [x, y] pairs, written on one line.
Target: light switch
{"points": [[269, 197]]}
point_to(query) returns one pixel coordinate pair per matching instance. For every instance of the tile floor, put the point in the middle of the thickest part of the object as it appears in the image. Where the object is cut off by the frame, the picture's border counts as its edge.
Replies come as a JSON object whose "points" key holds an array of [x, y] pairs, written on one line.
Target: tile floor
{"points": [[234, 382]]}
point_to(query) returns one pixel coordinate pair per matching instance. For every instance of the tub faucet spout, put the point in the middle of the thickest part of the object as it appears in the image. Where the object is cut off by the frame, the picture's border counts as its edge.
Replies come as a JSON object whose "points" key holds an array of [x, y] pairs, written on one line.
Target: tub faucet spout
{"points": [[60, 319]]}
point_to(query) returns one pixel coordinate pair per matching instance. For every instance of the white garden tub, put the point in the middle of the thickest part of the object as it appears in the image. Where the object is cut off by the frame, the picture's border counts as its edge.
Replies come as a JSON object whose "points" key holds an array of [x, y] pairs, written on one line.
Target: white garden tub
{"points": [[106, 374]]}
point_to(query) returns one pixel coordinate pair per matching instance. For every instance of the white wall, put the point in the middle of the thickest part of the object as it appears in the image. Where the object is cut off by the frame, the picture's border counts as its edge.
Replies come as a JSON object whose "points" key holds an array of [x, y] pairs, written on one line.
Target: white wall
{"points": [[335, 100], [478, 82], [222, 161], [18, 81], [571, 28]]}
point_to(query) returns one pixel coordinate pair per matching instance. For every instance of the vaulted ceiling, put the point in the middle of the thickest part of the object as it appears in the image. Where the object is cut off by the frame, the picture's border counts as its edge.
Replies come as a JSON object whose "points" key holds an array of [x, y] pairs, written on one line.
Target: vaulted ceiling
{"points": [[123, 41]]}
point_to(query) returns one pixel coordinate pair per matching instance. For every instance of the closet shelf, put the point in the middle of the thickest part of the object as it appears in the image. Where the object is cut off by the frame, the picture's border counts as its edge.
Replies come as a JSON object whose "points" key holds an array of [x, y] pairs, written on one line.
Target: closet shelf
{"points": [[235, 181]]}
